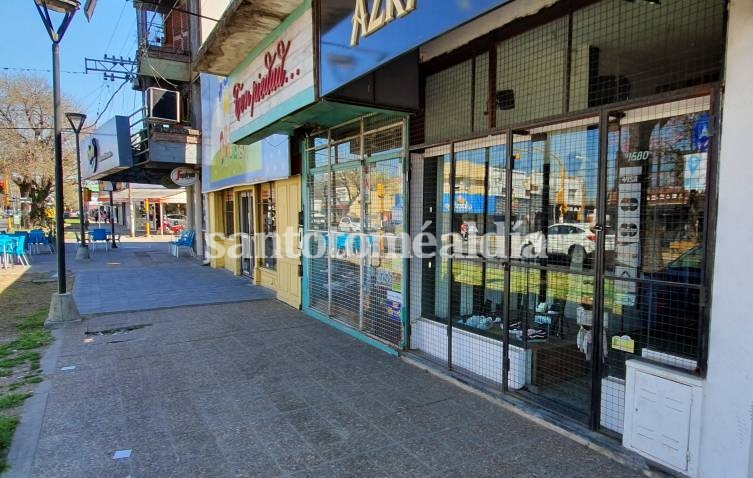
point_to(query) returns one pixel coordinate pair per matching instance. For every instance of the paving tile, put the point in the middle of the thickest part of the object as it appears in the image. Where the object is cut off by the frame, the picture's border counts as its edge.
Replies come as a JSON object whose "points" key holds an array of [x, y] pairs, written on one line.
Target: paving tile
{"points": [[287, 401], [257, 389], [395, 461]]}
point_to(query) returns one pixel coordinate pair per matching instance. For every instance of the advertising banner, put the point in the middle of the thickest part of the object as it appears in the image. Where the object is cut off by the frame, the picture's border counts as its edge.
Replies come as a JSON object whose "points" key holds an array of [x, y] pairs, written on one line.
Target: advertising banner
{"points": [[275, 80], [226, 164]]}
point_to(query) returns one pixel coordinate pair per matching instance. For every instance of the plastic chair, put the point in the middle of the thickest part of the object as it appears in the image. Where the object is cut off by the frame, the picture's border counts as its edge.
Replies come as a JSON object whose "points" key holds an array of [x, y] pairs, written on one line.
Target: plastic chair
{"points": [[37, 238], [99, 236], [5, 249], [19, 249], [185, 240]]}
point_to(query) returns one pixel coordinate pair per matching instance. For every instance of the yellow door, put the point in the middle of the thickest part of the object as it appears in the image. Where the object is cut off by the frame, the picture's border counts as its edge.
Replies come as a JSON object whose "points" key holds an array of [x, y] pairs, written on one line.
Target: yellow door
{"points": [[288, 209]]}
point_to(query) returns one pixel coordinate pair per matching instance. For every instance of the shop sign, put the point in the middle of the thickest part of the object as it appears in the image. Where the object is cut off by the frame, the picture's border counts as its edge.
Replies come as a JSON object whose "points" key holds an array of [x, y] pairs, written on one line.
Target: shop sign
{"points": [[370, 33], [666, 196], [275, 80], [274, 77], [226, 164], [365, 22], [107, 149], [394, 305], [184, 176]]}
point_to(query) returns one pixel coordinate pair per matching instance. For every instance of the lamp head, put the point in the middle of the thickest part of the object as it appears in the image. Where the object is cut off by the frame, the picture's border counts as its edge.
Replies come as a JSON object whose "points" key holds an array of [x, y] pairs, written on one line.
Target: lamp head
{"points": [[76, 120], [60, 6]]}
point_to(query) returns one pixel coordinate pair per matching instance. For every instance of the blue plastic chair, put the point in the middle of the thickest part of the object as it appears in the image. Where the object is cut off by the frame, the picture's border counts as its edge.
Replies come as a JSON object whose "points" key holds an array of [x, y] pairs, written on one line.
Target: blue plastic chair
{"points": [[185, 240], [37, 239], [6, 244], [99, 236], [19, 249]]}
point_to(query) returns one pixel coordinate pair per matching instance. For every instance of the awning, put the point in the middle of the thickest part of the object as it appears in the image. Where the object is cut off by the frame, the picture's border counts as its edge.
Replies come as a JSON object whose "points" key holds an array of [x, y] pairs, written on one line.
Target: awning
{"points": [[162, 195], [319, 115]]}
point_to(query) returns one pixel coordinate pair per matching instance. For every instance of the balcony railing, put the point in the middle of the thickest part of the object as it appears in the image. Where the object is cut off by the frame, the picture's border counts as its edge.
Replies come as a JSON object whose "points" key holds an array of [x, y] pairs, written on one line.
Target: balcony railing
{"points": [[145, 131]]}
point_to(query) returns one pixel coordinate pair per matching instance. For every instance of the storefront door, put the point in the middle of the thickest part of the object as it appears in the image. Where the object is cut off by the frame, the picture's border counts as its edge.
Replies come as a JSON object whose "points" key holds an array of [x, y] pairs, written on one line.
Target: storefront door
{"points": [[355, 218], [288, 223], [246, 210], [552, 279], [656, 214]]}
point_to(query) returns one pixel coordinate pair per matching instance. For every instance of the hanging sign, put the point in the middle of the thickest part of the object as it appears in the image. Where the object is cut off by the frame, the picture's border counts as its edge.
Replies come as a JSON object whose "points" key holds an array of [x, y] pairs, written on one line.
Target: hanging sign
{"points": [[184, 176]]}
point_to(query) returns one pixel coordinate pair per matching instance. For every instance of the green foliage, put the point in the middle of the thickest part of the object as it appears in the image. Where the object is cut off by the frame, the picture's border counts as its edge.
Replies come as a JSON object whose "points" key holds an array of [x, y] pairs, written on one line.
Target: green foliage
{"points": [[33, 321], [32, 339], [7, 429], [12, 400]]}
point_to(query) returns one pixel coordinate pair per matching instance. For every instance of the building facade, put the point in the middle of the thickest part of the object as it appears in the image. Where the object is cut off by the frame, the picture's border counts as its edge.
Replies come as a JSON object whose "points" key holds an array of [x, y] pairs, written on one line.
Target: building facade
{"points": [[251, 173], [579, 165]]}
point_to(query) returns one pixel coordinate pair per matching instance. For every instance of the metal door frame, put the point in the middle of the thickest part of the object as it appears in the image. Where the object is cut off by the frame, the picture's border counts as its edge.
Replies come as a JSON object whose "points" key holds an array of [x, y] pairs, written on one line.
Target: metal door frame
{"points": [[247, 198]]}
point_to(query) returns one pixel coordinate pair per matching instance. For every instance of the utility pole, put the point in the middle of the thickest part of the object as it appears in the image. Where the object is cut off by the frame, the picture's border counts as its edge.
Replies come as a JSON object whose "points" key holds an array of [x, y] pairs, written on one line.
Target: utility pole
{"points": [[112, 68]]}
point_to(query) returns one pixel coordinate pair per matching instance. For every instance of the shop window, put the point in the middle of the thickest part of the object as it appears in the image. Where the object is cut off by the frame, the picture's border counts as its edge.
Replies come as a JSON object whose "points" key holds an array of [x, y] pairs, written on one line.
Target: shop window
{"points": [[229, 213], [457, 100], [657, 179], [269, 225], [355, 206]]}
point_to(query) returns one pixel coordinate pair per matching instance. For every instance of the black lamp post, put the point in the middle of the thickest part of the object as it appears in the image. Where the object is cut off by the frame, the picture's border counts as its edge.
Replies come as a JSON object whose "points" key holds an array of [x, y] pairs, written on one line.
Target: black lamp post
{"points": [[77, 123], [68, 9], [62, 308]]}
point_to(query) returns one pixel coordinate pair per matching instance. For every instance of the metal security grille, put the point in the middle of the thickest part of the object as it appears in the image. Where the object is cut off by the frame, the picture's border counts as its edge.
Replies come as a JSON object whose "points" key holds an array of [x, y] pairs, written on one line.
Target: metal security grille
{"points": [[575, 232], [355, 219]]}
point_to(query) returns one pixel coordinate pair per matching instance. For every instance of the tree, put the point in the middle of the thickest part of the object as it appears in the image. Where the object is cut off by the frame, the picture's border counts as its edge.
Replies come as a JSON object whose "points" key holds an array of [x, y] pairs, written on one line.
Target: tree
{"points": [[27, 142]]}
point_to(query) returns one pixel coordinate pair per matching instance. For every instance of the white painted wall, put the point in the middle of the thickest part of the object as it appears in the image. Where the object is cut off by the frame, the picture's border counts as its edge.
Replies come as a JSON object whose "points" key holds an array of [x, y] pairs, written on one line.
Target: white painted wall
{"points": [[727, 426]]}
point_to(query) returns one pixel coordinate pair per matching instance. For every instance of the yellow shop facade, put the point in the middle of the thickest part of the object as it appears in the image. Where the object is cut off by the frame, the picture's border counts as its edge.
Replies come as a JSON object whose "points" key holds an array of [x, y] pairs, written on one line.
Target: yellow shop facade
{"points": [[251, 159]]}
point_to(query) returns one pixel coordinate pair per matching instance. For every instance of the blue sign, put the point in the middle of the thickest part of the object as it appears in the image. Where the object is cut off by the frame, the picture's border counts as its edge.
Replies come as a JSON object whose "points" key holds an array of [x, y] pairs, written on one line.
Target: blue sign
{"points": [[357, 40], [469, 203]]}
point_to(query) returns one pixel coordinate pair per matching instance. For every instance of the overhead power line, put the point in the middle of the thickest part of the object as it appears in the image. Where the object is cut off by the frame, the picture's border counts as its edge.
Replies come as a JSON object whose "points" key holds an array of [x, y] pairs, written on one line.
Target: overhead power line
{"points": [[40, 70]]}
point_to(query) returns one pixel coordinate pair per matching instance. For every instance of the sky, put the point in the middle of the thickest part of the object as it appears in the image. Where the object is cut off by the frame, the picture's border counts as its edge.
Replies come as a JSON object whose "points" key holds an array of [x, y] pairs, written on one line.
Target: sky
{"points": [[112, 31]]}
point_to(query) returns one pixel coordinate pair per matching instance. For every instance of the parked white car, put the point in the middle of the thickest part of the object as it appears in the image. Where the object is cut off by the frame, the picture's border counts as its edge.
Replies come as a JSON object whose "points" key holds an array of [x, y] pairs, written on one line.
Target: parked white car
{"points": [[574, 240]]}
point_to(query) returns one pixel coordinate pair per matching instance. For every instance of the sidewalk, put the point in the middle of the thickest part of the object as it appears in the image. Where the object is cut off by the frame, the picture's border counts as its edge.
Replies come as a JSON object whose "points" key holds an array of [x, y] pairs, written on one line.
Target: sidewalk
{"points": [[256, 388]]}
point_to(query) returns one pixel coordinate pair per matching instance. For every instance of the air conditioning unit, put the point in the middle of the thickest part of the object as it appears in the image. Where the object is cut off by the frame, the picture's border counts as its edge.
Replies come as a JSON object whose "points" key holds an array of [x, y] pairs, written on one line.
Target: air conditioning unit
{"points": [[164, 105]]}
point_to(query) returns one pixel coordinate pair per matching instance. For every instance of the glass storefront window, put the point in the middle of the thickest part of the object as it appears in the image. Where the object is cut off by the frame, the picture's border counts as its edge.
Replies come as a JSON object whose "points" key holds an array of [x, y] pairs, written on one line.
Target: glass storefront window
{"points": [[228, 208], [559, 168], [656, 225], [269, 225], [356, 207]]}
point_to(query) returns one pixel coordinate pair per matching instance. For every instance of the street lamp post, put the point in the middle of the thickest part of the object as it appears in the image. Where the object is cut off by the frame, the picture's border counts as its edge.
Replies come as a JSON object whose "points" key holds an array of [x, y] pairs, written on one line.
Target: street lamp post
{"points": [[62, 307], [77, 123]]}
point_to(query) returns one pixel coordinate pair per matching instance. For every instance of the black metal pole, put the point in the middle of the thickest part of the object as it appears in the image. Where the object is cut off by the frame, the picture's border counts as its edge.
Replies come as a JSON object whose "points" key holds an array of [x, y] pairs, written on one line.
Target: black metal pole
{"points": [[81, 217], [112, 219], [60, 237]]}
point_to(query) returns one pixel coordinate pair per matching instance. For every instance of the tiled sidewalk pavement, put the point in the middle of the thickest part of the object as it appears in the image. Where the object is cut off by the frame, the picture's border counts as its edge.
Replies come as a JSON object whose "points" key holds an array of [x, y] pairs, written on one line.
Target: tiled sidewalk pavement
{"points": [[144, 276], [258, 389]]}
